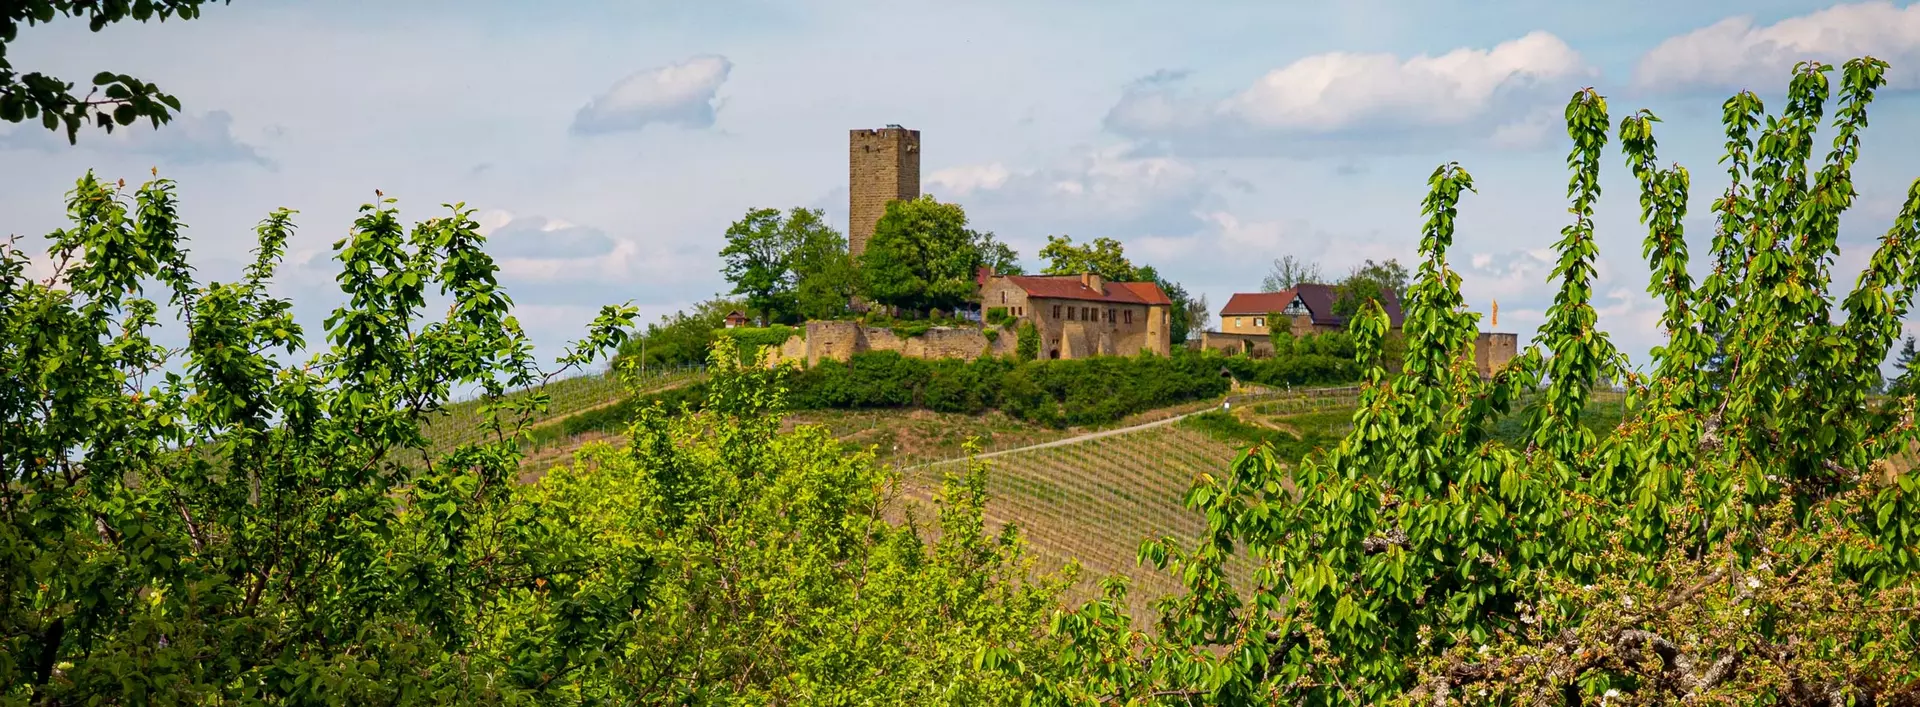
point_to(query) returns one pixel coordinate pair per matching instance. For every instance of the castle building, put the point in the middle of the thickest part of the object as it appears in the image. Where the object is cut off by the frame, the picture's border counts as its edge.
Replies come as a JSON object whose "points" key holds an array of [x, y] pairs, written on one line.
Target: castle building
{"points": [[883, 165], [1078, 316]]}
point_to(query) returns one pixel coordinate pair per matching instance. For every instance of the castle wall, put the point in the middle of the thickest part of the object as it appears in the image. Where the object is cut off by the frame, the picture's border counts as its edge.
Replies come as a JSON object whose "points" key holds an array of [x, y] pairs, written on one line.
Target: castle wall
{"points": [[840, 340]]}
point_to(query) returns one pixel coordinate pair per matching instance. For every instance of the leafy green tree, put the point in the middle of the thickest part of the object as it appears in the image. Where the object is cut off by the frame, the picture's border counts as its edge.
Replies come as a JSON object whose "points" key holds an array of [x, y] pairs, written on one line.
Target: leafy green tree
{"points": [[219, 523], [998, 255], [225, 523], [1742, 537], [825, 279], [773, 573], [1102, 256], [115, 99], [761, 251], [1027, 346], [1369, 282], [922, 256], [1288, 271]]}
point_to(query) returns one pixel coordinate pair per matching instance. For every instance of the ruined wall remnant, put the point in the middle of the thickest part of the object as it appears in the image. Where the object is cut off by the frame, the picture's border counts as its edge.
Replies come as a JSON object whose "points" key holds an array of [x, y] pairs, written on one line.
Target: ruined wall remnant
{"points": [[840, 340]]}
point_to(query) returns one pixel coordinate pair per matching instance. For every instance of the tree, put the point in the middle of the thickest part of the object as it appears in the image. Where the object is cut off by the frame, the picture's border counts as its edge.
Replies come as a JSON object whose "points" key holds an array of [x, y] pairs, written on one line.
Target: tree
{"points": [[762, 251], [825, 279], [1369, 282], [114, 100], [1199, 314], [922, 256], [238, 522], [1103, 256], [201, 524], [1742, 537], [997, 255], [1288, 271]]}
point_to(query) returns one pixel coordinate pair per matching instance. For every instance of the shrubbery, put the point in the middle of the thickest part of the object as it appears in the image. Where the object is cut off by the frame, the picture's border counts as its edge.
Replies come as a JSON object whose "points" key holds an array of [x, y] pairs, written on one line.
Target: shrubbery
{"points": [[750, 339], [1292, 369], [1057, 393]]}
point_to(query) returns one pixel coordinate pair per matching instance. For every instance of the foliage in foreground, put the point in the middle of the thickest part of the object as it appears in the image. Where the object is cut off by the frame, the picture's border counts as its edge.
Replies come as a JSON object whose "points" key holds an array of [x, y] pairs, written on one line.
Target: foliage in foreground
{"points": [[115, 100], [1739, 539], [215, 524]]}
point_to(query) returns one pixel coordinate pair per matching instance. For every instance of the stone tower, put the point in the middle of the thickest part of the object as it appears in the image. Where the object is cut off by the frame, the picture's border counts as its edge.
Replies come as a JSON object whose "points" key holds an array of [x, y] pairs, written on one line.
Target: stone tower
{"points": [[883, 165]]}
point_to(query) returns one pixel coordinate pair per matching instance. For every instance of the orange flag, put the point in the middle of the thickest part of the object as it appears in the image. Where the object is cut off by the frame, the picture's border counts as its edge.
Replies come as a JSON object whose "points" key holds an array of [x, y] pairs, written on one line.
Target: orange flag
{"points": [[1496, 313]]}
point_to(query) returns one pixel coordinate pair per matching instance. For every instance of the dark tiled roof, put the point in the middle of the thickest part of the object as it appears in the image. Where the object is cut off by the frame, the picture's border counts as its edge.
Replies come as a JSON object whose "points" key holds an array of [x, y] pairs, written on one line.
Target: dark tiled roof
{"points": [[1318, 298], [1070, 287]]}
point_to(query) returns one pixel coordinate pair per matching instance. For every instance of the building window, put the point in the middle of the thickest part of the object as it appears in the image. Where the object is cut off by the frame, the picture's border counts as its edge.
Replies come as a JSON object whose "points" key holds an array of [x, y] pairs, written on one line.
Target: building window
{"points": [[1128, 315], [1003, 296], [1086, 313], [1056, 311], [1259, 321], [1238, 323], [1109, 315], [1070, 313]]}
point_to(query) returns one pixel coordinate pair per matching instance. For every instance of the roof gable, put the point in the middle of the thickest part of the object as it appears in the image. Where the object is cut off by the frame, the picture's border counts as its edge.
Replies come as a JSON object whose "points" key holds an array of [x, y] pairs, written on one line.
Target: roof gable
{"points": [[1318, 300]]}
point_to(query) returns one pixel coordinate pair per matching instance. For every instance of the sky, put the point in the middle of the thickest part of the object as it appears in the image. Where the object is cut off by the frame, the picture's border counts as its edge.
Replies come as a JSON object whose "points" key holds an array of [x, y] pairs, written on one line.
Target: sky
{"points": [[607, 145]]}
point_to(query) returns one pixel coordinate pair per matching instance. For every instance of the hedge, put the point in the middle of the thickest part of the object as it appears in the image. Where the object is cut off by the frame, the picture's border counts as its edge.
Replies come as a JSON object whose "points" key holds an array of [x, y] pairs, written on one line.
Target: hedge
{"points": [[1056, 393], [751, 339]]}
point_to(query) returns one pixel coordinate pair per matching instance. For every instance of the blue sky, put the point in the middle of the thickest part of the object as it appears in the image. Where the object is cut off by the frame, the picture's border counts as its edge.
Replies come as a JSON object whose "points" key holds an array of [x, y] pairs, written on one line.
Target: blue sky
{"points": [[608, 145]]}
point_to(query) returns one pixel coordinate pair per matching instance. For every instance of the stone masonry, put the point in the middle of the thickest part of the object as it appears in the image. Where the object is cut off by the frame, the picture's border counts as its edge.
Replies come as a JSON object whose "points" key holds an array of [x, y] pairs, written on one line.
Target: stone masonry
{"points": [[883, 165], [840, 340]]}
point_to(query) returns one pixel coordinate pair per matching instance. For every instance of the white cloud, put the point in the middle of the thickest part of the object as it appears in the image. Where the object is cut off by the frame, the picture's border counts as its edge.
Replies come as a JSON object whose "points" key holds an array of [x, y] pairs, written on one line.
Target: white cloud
{"points": [[678, 94], [1352, 99], [1735, 54], [965, 179], [1096, 192], [187, 139], [545, 240]]}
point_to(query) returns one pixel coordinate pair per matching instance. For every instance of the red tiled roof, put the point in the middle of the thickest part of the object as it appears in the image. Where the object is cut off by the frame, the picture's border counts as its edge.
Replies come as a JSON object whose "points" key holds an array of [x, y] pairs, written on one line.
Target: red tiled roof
{"points": [[1318, 298], [1070, 287], [1256, 303]]}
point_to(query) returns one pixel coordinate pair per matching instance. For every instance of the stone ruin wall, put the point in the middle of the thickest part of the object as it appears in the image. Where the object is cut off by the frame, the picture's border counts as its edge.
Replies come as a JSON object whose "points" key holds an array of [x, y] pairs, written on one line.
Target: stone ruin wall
{"points": [[840, 340]]}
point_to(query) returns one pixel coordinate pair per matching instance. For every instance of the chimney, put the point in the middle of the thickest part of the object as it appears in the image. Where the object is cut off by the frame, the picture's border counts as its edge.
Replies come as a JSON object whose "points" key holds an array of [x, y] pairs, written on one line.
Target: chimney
{"points": [[1092, 281]]}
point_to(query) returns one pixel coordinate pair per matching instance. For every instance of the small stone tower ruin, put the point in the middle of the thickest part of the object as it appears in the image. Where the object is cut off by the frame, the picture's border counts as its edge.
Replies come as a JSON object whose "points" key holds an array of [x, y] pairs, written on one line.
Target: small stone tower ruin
{"points": [[883, 165]]}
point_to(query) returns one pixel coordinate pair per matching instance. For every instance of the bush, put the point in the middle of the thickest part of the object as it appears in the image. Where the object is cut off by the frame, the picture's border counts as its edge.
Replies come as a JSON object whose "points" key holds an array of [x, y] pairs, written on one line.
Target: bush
{"points": [[998, 316], [1292, 369], [751, 339], [1027, 348], [1098, 390]]}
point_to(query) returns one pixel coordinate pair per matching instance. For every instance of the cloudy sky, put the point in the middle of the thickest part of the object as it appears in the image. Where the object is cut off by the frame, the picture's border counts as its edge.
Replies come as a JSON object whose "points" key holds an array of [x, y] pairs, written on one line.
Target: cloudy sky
{"points": [[607, 145]]}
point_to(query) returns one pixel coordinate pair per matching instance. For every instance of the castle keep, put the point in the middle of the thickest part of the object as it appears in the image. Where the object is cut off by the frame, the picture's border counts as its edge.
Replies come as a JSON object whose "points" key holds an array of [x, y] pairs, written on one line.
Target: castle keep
{"points": [[883, 165]]}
